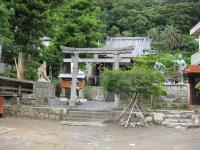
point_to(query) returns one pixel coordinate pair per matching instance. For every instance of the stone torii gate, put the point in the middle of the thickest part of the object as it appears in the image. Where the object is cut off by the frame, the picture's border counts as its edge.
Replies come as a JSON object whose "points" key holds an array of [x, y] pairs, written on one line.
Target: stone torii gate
{"points": [[75, 60]]}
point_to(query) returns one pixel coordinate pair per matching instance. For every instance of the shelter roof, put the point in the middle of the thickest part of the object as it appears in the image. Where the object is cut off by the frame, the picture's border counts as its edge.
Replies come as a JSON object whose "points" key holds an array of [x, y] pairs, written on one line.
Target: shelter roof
{"points": [[192, 69], [15, 80], [69, 75], [196, 29]]}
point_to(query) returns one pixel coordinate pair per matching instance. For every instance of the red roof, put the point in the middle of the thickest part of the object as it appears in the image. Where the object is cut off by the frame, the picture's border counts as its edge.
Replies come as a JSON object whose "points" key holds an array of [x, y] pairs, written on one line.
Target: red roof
{"points": [[192, 69]]}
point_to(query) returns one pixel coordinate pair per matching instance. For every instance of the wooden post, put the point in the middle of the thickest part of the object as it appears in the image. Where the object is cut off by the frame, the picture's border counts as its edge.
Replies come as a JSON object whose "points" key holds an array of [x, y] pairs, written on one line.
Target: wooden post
{"points": [[19, 89], [115, 67], [1, 106], [199, 42], [21, 65], [74, 80]]}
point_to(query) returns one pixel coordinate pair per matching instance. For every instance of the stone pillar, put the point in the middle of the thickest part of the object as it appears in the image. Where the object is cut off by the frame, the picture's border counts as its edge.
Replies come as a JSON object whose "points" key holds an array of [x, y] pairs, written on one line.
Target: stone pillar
{"points": [[74, 80], [115, 67]]}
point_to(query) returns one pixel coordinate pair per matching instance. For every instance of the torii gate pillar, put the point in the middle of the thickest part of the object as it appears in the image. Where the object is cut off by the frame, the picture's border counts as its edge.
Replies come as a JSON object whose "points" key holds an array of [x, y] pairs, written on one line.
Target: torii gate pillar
{"points": [[115, 67], [74, 80]]}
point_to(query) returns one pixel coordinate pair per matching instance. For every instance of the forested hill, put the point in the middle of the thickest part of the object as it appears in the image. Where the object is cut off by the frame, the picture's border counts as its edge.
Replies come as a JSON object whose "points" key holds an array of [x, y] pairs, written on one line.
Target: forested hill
{"points": [[137, 17], [86, 23]]}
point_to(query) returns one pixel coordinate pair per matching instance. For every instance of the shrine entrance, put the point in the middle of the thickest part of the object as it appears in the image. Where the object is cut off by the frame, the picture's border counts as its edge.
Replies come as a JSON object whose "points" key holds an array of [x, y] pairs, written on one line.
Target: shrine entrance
{"points": [[75, 60]]}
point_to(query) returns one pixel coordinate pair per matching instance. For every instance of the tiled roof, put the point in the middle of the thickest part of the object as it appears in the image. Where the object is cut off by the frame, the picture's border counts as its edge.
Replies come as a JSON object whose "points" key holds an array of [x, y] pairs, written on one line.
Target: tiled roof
{"points": [[141, 45]]}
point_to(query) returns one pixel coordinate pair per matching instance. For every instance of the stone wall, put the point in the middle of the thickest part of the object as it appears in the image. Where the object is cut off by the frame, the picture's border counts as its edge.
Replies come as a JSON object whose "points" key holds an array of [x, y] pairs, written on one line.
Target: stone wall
{"points": [[97, 93], [177, 93], [169, 118], [48, 113]]}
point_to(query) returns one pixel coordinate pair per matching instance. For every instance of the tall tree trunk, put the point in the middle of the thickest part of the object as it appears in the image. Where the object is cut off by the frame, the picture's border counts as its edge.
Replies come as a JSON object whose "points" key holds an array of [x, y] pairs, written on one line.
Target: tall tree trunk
{"points": [[21, 65]]}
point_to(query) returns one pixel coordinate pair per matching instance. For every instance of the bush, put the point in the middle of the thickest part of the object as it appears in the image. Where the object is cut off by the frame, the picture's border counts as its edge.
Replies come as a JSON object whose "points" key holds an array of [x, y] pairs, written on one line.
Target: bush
{"points": [[197, 110], [197, 86], [137, 82], [9, 74]]}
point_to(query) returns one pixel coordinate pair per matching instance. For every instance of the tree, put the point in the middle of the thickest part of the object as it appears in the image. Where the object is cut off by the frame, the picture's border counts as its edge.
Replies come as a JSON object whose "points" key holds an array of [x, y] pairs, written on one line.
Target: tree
{"points": [[29, 23], [139, 16], [5, 33], [76, 23], [171, 37], [154, 34], [136, 83]]}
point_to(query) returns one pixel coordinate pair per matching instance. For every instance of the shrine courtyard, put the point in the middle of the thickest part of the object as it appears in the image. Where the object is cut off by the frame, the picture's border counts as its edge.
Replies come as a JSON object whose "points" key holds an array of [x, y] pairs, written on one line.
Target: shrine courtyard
{"points": [[30, 134]]}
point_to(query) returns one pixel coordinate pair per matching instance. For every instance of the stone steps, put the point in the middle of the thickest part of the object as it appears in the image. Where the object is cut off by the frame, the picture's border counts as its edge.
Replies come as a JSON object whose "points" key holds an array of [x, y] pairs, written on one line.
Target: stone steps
{"points": [[88, 116], [77, 113], [174, 124], [177, 116], [179, 120], [175, 119], [86, 119]]}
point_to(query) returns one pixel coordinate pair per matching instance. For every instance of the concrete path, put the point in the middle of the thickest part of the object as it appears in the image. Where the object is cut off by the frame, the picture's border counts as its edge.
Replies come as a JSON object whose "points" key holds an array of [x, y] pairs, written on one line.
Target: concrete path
{"points": [[96, 105], [30, 134]]}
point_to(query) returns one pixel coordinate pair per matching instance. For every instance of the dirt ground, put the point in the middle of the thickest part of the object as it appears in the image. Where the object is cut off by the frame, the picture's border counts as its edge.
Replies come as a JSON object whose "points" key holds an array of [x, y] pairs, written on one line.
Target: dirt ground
{"points": [[31, 134]]}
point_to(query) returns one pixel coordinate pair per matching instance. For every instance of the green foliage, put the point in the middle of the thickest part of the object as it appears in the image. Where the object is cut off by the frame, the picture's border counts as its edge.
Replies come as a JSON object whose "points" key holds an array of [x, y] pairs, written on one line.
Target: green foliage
{"points": [[9, 74], [197, 110], [139, 16], [164, 57], [77, 23], [139, 80], [197, 86], [29, 23], [5, 33], [53, 57], [31, 69], [170, 38], [84, 23], [188, 43]]}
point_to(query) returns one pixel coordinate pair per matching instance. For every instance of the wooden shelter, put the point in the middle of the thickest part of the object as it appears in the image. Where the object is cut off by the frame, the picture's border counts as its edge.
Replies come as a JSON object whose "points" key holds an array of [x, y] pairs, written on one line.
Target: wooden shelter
{"points": [[193, 71], [66, 82], [15, 87]]}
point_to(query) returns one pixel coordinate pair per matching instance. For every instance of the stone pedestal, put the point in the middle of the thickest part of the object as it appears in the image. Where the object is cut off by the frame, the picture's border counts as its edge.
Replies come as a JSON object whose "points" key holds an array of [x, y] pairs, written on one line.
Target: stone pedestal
{"points": [[177, 93], [80, 93], [44, 90]]}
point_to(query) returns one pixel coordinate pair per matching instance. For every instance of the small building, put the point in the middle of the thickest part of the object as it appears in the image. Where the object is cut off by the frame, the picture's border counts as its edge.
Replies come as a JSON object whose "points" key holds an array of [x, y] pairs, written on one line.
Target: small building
{"points": [[66, 82], [193, 71]]}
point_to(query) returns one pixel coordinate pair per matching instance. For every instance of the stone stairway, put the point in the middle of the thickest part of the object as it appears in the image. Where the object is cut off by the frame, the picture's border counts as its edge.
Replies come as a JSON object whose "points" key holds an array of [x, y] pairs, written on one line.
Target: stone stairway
{"points": [[178, 119], [88, 115]]}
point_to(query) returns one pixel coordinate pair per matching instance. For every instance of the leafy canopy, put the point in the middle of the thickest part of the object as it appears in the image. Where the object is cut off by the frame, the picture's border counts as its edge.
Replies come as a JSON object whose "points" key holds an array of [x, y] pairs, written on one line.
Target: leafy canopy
{"points": [[142, 81], [5, 32]]}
